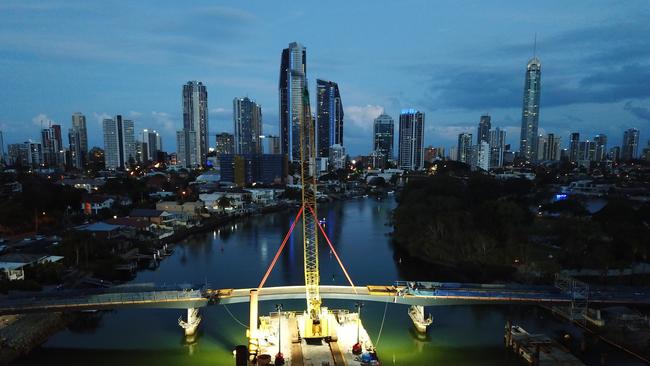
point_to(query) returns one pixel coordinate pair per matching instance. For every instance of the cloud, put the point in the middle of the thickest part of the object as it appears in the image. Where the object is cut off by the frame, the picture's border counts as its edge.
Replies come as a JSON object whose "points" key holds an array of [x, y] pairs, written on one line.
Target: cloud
{"points": [[100, 117], [164, 121], [362, 116], [602, 63], [220, 112], [639, 112], [42, 120], [166, 35], [134, 114]]}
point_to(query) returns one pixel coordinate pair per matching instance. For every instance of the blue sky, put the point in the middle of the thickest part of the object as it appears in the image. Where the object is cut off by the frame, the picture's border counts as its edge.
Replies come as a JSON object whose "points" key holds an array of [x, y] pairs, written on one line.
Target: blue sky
{"points": [[454, 60]]}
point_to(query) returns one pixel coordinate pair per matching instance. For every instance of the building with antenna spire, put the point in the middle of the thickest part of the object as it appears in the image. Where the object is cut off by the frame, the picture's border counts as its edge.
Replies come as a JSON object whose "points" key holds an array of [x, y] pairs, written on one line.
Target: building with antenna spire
{"points": [[530, 111]]}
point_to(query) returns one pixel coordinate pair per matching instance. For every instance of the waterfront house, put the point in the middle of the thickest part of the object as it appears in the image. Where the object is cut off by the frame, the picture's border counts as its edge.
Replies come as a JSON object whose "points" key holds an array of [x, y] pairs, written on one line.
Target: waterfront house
{"points": [[186, 211], [92, 204], [157, 217], [12, 266], [102, 230]]}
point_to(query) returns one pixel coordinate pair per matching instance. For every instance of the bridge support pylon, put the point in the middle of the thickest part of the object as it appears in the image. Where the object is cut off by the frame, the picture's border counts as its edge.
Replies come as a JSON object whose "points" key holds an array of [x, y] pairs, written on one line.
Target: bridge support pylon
{"points": [[190, 325], [253, 334]]}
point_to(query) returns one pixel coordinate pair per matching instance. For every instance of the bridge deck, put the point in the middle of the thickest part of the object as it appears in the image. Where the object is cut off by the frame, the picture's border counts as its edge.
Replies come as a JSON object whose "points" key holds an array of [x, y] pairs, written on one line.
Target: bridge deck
{"points": [[420, 293]]}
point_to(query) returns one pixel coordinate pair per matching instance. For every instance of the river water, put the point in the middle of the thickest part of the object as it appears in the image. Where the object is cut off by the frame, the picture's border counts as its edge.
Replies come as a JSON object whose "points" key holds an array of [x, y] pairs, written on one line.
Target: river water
{"points": [[237, 255]]}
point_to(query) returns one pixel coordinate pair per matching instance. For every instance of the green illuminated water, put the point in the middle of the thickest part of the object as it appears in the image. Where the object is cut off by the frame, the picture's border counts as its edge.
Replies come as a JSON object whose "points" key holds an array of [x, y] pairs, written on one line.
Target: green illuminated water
{"points": [[237, 256]]}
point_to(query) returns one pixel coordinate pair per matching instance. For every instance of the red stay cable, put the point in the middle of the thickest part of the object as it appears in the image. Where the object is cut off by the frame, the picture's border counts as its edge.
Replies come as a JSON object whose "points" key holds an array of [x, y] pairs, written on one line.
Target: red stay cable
{"points": [[277, 255]]}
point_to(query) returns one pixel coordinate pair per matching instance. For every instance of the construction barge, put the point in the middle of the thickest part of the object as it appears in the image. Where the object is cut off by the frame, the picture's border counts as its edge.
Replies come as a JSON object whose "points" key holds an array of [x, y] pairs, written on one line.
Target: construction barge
{"points": [[281, 341], [537, 349]]}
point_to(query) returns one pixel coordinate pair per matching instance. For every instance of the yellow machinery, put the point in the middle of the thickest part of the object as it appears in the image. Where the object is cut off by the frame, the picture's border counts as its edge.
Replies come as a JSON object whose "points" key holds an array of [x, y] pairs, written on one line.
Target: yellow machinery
{"points": [[316, 320]]}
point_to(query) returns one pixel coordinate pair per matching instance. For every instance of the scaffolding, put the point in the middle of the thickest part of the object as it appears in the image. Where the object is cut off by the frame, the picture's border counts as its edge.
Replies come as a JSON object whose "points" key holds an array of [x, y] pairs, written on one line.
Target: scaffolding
{"points": [[579, 294]]}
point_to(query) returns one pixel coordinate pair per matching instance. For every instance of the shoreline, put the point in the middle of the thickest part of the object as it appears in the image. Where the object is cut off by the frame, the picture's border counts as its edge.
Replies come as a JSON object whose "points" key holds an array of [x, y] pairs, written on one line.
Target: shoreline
{"points": [[21, 334]]}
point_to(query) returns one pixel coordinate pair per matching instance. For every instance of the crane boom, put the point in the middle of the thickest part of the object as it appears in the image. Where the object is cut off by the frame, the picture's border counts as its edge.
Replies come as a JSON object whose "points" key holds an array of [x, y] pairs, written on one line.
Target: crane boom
{"points": [[310, 219]]}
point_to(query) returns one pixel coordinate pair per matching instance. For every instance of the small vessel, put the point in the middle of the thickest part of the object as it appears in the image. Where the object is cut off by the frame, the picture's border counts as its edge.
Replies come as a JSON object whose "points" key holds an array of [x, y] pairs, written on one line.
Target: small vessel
{"points": [[416, 312]]}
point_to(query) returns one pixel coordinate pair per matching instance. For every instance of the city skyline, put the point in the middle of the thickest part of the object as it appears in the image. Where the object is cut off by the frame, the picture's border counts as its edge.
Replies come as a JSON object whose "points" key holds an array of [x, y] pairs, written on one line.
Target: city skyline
{"points": [[596, 90]]}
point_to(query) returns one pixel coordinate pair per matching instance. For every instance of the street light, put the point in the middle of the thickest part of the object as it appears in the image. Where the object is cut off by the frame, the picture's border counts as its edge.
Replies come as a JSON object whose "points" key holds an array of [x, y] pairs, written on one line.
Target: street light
{"points": [[279, 358]]}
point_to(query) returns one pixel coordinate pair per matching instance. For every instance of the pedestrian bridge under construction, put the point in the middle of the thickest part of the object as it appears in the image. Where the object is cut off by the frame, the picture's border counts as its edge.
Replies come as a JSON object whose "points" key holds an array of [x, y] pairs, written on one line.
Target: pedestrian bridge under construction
{"points": [[408, 293]]}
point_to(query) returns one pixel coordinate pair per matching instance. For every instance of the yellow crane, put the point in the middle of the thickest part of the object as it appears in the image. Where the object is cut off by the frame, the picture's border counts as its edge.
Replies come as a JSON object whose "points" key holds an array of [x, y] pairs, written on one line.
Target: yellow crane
{"points": [[315, 321]]}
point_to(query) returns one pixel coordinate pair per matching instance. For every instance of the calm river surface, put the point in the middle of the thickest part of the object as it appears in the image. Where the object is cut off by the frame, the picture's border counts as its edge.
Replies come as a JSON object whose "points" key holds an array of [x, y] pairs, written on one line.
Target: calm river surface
{"points": [[237, 255]]}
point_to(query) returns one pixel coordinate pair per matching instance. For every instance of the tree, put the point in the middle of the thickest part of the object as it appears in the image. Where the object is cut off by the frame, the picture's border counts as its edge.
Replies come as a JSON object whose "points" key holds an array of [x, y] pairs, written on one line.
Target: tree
{"points": [[224, 202]]}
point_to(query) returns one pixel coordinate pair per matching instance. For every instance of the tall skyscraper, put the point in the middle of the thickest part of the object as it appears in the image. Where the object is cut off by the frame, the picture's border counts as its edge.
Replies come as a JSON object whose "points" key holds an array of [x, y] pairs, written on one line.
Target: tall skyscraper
{"points": [[119, 142], [52, 145], [225, 144], [78, 141], [29, 154], [484, 126], [481, 156], [630, 147], [293, 81], [247, 121], [464, 151], [549, 147], [151, 145], [329, 116], [497, 143], [530, 111], [383, 136], [574, 147], [76, 156], [601, 147], [187, 155], [79, 124], [195, 117], [411, 139]]}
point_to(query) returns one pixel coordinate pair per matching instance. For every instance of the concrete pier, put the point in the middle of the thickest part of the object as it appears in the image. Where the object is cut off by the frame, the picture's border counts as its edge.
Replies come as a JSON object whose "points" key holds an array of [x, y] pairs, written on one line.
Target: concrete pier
{"points": [[190, 325], [253, 334]]}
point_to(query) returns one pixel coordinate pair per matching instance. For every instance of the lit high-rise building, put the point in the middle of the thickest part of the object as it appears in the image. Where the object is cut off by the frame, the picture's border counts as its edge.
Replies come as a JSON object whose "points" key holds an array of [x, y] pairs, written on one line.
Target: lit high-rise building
{"points": [[29, 154], [293, 82], [195, 117], [337, 157], [52, 145], [530, 111], [464, 151], [247, 122], [574, 147], [119, 142], [601, 147], [151, 145], [497, 142], [552, 148], [187, 155], [383, 136], [484, 126], [225, 144], [481, 156], [329, 116], [79, 125], [630, 146], [76, 155], [411, 139]]}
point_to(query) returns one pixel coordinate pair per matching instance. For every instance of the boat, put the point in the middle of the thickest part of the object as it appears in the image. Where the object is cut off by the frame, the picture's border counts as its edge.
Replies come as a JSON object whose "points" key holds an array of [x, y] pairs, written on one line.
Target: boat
{"points": [[416, 312]]}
